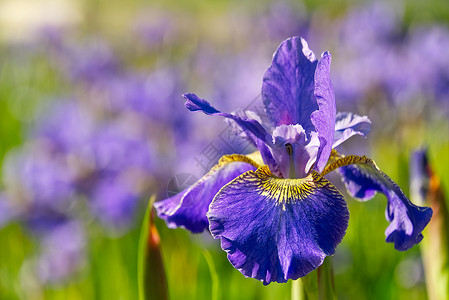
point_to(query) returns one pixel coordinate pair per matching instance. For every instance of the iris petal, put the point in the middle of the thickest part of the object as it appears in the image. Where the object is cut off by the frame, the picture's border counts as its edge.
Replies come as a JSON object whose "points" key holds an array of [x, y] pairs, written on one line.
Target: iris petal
{"points": [[252, 128], [305, 148], [324, 118], [188, 208], [349, 124], [288, 85], [195, 103], [277, 229], [363, 179]]}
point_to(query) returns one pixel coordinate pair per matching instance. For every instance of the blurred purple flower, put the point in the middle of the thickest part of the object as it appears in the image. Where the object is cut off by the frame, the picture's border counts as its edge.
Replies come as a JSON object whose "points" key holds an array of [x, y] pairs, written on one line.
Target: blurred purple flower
{"points": [[77, 128], [7, 211], [89, 63], [115, 150], [40, 178], [369, 25], [156, 28], [283, 19], [429, 65], [114, 202], [62, 252]]}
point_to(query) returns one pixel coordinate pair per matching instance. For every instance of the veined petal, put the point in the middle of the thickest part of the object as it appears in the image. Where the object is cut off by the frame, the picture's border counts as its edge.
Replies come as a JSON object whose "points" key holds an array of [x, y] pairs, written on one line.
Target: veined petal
{"points": [[195, 103], [305, 148], [188, 208], [324, 118], [237, 130], [363, 179], [252, 128], [288, 85], [268, 158], [349, 124], [277, 229]]}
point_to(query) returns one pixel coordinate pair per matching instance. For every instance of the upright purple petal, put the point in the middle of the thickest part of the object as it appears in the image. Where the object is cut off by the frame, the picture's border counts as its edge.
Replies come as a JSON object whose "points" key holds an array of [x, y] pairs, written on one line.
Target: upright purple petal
{"points": [[288, 85], [278, 229], [188, 208], [268, 158], [347, 125], [324, 118], [407, 220], [305, 149]]}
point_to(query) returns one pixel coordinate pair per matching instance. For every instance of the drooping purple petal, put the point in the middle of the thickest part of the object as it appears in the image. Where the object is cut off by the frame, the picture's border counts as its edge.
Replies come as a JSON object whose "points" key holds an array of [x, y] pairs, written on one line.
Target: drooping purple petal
{"points": [[324, 118], [288, 85], [188, 208], [278, 229], [238, 131], [407, 220], [347, 125], [252, 128], [195, 103]]}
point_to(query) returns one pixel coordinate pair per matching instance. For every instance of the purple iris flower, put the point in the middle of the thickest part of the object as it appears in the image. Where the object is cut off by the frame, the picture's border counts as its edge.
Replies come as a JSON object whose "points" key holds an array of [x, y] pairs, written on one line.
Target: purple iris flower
{"points": [[276, 215]]}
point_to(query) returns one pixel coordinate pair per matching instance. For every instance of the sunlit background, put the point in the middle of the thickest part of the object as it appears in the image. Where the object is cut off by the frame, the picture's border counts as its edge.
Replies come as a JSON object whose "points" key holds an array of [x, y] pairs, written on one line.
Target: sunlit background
{"points": [[92, 123]]}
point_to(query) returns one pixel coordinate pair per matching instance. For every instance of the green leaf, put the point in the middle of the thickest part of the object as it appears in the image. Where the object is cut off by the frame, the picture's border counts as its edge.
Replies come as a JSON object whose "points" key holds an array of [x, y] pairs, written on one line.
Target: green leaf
{"points": [[213, 274], [152, 281]]}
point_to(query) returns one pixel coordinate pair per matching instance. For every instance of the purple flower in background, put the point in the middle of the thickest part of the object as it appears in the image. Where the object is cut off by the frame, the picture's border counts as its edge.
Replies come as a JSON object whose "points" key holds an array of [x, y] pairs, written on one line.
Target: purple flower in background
{"points": [[276, 215], [7, 212], [114, 202], [89, 63], [62, 252], [121, 166], [77, 129], [114, 149], [40, 177]]}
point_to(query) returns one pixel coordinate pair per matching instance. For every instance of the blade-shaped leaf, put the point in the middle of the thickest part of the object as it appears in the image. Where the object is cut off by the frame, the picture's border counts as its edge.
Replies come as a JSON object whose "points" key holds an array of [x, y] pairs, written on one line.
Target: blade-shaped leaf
{"points": [[151, 273]]}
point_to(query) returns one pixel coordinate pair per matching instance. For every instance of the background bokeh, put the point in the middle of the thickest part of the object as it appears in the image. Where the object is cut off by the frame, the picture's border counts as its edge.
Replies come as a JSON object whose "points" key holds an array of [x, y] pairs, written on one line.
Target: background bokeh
{"points": [[92, 123]]}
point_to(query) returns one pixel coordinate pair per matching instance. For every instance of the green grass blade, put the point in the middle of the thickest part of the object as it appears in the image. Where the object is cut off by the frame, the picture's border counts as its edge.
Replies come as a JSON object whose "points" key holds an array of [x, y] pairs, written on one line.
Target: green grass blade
{"points": [[152, 282], [213, 274]]}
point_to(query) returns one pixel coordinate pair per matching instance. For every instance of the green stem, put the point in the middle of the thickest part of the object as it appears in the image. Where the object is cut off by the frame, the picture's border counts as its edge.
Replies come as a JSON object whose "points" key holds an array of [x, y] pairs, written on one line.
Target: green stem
{"points": [[298, 292], [319, 284], [326, 280]]}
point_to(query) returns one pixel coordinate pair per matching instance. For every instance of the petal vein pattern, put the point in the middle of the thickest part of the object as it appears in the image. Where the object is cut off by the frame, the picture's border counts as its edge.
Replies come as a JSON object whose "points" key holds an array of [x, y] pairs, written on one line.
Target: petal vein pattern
{"points": [[277, 229], [363, 179], [287, 88], [324, 118], [188, 208]]}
